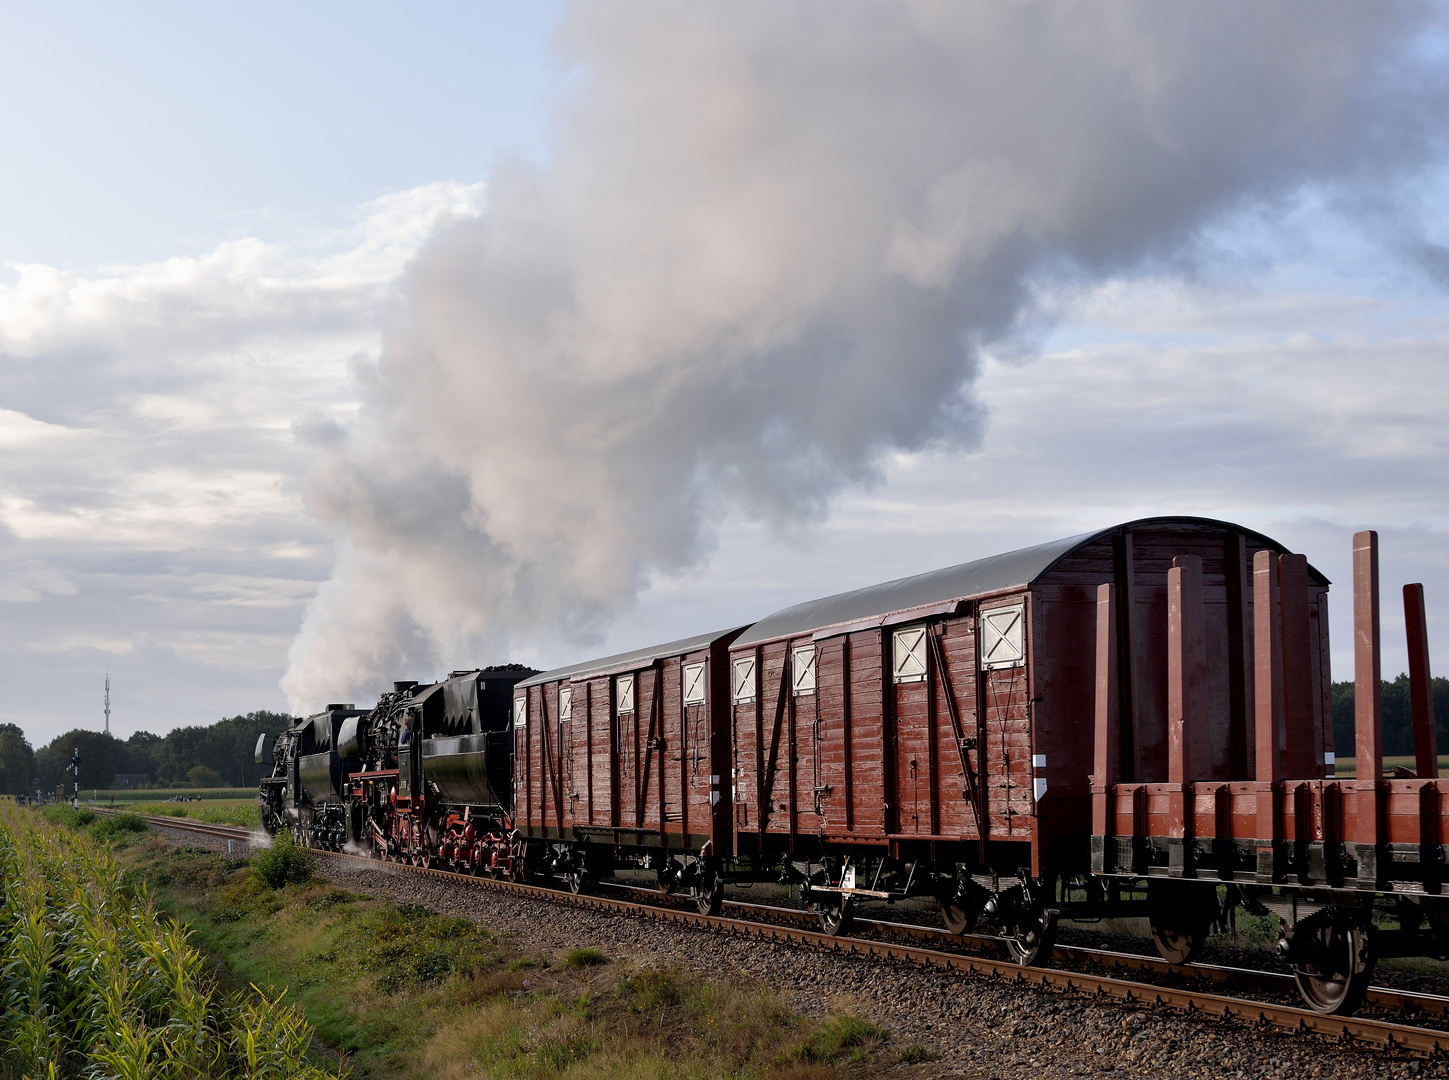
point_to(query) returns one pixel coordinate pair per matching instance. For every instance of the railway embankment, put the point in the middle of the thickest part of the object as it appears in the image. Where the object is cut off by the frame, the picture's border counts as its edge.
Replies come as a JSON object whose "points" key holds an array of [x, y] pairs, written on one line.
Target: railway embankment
{"points": [[403, 988], [944, 1024]]}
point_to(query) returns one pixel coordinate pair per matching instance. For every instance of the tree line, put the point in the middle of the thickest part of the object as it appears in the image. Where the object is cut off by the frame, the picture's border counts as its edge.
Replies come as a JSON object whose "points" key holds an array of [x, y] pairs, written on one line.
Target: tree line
{"points": [[219, 755], [1398, 717]]}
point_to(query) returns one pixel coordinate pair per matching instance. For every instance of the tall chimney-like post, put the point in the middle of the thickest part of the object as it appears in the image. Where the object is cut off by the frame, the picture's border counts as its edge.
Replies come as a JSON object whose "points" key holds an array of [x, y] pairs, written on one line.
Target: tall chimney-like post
{"points": [[1270, 739], [1368, 717], [1421, 690]]}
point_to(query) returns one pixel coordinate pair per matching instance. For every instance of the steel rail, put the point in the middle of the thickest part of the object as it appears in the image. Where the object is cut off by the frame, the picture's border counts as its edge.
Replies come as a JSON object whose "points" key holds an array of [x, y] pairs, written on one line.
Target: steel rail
{"points": [[1217, 974], [1284, 1017]]}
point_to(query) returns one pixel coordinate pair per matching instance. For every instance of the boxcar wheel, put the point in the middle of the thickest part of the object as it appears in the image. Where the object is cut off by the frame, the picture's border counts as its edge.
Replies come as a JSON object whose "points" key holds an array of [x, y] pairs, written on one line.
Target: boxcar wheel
{"points": [[668, 879], [709, 893], [960, 910], [1179, 944], [837, 915], [1336, 977], [577, 874], [955, 917], [1181, 917], [1033, 941]]}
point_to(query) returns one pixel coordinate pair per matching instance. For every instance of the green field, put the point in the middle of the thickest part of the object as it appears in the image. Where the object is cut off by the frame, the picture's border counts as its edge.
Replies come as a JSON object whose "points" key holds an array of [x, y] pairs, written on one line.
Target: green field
{"points": [[409, 994], [241, 812], [97, 982], [1348, 766], [104, 795]]}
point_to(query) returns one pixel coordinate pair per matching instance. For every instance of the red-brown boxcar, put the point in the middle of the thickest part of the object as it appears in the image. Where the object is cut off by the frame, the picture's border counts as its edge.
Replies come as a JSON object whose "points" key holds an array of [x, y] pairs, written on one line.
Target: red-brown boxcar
{"points": [[619, 761], [934, 735]]}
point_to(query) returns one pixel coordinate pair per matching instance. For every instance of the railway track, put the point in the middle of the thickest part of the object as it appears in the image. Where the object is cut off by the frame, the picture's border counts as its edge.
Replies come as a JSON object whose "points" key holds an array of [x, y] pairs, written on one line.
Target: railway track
{"points": [[904, 942]]}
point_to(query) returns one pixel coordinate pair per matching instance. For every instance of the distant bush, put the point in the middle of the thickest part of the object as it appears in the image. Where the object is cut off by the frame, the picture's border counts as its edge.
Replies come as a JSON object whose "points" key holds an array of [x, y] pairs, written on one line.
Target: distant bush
{"points": [[118, 829], [286, 862], [203, 776]]}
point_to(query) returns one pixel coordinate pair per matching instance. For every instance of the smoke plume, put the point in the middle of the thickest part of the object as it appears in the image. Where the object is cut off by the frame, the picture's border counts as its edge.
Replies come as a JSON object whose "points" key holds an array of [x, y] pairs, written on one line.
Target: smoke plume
{"points": [[768, 247]]}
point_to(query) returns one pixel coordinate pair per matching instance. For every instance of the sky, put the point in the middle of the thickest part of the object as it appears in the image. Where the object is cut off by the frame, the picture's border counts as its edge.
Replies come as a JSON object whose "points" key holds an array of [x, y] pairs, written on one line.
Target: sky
{"points": [[340, 345]]}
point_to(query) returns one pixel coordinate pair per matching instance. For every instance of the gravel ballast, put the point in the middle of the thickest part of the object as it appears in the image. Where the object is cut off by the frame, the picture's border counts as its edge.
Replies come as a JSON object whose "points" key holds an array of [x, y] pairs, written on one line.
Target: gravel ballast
{"points": [[976, 1028]]}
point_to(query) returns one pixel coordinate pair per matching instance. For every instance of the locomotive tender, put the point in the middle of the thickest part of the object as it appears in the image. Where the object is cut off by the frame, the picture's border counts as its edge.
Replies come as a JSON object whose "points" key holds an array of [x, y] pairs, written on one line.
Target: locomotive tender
{"points": [[1130, 722]]}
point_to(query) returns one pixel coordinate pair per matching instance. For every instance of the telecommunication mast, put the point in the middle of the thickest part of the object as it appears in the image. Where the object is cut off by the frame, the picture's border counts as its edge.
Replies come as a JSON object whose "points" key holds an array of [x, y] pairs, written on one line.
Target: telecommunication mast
{"points": [[108, 703]]}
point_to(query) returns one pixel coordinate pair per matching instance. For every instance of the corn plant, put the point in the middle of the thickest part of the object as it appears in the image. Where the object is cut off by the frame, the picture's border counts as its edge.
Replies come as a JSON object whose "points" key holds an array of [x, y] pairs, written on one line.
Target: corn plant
{"points": [[96, 983]]}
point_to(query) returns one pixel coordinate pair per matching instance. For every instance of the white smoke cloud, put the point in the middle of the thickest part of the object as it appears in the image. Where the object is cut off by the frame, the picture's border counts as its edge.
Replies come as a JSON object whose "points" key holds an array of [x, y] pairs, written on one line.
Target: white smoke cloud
{"points": [[768, 248]]}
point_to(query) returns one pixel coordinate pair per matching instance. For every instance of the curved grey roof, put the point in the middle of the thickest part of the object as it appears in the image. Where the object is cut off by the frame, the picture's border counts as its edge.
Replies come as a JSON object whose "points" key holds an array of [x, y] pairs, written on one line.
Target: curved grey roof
{"points": [[991, 574], [639, 658], [921, 590]]}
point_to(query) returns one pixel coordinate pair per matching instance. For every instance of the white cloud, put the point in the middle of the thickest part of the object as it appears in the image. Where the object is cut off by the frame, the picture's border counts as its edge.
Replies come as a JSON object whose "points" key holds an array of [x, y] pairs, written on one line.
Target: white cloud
{"points": [[149, 463]]}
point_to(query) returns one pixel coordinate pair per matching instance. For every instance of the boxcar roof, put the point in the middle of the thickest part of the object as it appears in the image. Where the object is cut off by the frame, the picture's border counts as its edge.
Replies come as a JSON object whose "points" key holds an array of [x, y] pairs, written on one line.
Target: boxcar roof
{"points": [[639, 658], [991, 574]]}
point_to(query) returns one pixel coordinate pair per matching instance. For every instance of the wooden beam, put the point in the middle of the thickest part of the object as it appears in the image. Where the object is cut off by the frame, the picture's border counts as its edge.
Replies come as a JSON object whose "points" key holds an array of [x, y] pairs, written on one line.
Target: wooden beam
{"points": [[1125, 602], [1303, 739], [1186, 684], [1239, 739], [1269, 736], [1107, 761], [1269, 756], [1186, 666], [1421, 695], [1368, 714]]}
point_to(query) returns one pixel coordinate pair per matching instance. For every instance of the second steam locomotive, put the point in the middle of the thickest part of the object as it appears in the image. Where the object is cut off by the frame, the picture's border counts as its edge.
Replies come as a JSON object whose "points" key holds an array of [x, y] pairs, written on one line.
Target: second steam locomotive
{"points": [[1131, 722]]}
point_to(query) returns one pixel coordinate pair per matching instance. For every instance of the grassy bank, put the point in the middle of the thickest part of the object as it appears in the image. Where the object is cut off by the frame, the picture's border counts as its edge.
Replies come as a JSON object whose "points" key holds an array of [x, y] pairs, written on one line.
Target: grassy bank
{"points": [[407, 993]]}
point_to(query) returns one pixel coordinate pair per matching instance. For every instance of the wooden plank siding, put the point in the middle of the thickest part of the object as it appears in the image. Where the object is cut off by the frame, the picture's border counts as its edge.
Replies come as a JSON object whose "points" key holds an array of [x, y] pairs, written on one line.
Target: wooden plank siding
{"points": [[878, 762], [866, 760], [650, 776]]}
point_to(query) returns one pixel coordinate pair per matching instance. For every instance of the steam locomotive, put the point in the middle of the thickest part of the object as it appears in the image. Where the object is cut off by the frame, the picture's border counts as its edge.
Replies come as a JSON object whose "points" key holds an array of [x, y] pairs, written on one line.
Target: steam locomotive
{"points": [[424, 775], [1133, 722]]}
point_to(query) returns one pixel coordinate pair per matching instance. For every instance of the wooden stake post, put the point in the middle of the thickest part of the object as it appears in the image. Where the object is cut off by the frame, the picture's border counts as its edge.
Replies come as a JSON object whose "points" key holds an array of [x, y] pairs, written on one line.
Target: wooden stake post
{"points": [[1421, 694], [1366, 827]]}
